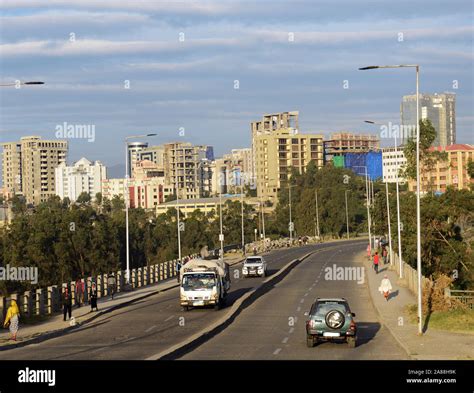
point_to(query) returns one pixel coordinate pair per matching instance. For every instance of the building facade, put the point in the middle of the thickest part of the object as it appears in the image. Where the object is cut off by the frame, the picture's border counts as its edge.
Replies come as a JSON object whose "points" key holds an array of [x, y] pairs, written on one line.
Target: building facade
{"points": [[348, 142], [440, 109], [393, 161], [277, 147], [133, 154], [452, 172], [82, 176], [29, 167]]}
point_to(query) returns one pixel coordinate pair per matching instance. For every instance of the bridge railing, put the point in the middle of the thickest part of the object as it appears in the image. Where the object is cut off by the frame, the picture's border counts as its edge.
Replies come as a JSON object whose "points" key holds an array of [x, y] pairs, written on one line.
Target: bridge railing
{"points": [[47, 301]]}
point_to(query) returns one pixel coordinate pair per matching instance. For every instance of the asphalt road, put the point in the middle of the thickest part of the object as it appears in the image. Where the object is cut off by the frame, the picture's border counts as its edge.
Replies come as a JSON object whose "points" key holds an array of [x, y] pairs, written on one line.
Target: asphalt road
{"points": [[273, 327], [149, 326]]}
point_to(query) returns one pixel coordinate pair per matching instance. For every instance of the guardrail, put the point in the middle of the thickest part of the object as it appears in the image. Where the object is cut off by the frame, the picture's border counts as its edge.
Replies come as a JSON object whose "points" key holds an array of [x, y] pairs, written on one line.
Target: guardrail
{"points": [[465, 297], [47, 301]]}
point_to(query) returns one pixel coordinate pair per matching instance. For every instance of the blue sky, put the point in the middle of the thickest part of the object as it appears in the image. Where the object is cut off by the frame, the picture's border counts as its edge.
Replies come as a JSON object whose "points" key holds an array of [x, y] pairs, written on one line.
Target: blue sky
{"points": [[190, 83]]}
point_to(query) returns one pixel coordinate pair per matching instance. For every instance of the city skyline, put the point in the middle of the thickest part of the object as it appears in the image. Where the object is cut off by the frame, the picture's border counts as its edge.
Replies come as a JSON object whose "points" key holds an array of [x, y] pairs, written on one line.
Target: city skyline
{"points": [[182, 64]]}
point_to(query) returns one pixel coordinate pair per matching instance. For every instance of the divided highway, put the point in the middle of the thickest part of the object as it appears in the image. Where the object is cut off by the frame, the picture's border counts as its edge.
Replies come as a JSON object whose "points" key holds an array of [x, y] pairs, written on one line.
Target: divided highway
{"points": [[273, 327], [149, 326]]}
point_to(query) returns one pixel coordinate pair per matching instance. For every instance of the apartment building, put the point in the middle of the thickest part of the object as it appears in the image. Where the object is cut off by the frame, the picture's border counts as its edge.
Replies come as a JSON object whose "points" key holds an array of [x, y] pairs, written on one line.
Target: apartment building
{"points": [[29, 167], [277, 147], [112, 188], [82, 176], [348, 142], [155, 154], [452, 172], [133, 154], [393, 161]]}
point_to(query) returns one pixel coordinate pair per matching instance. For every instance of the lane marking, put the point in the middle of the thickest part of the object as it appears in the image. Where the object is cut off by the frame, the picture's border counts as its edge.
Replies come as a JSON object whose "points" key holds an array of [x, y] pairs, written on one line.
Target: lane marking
{"points": [[306, 294], [291, 330], [285, 340], [302, 300], [150, 329], [298, 309], [170, 317], [277, 351]]}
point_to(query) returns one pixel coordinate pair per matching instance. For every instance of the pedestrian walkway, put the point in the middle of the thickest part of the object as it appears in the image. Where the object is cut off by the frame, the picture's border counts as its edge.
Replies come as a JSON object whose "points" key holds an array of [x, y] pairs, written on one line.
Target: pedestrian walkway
{"points": [[433, 344], [55, 325]]}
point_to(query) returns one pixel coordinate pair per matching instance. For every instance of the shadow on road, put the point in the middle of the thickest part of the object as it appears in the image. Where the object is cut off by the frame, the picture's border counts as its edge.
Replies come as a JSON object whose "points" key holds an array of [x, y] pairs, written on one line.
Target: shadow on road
{"points": [[366, 331]]}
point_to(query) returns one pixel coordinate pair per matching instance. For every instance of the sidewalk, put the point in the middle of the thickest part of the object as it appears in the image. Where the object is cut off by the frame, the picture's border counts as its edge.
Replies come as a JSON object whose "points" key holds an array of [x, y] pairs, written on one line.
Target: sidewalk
{"points": [[55, 326], [434, 344]]}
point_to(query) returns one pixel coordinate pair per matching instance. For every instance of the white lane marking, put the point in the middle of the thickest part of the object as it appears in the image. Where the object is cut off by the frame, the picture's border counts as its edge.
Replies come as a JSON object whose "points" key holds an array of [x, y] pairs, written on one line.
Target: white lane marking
{"points": [[170, 317], [302, 300], [285, 340], [291, 330], [306, 294], [150, 329], [277, 351], [298, 309]]}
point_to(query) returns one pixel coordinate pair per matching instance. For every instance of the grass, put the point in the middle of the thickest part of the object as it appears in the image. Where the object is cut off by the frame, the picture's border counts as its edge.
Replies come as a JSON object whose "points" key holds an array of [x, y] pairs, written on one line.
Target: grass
{"points": [[459, 321]]}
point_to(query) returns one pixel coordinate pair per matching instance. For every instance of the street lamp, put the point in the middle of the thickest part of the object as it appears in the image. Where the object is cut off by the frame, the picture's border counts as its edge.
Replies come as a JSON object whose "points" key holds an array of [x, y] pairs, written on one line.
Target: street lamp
{"points": [[290, 225], [242, 213], [19, 83], [367, 193], [221, 235], [399, 227], [317, 213], [418, 210], [127, 201], [347, 214]]}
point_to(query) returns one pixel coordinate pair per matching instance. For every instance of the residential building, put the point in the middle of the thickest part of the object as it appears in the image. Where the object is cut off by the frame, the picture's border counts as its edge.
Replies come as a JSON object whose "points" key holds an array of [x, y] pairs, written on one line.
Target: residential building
{"points": [[452, 172], [155, 154], [133, 151], [440, 109], [82, 176], [393, 161], [29, 167], [112, 188], [348, 142], [277, 147]]}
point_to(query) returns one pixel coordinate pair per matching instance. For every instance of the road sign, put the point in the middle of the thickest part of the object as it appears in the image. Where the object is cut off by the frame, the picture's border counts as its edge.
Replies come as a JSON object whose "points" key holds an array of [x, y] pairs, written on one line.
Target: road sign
{"points": [[291, 226], [221, 237]]}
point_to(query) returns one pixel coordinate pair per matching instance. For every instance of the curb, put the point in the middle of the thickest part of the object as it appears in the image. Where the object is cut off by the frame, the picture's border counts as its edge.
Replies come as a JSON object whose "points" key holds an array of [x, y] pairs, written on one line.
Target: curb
{"points": [[392, 332], [178, 350]]}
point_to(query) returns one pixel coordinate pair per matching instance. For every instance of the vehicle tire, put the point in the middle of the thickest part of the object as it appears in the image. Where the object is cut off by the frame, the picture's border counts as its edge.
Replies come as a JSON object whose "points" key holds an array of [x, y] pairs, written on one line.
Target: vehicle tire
{"points": [[351, 341], [310, 341], [185, 308], [217, 306], [264, 274]]}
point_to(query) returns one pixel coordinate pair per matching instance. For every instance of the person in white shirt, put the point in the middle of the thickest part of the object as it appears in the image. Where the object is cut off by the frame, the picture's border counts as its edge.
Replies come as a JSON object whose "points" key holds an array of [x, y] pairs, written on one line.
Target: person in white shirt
{"points": [[385, 287]]}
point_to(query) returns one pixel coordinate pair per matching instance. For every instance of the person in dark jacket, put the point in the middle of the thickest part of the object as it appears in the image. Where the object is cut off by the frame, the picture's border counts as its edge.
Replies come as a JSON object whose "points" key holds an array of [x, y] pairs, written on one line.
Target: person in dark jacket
{"points": [[93, 297], [67, 303]]}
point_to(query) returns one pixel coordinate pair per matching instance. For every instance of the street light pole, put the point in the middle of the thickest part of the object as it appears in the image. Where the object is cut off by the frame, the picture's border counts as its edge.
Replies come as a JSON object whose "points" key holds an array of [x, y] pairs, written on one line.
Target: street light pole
{"points": [[242, 211], [347, 214], [418, 191], [19, 83], [178, 218], [291, 222], [367, 196], [221, 235], [317, 213], [389, 225], [127, 202]]}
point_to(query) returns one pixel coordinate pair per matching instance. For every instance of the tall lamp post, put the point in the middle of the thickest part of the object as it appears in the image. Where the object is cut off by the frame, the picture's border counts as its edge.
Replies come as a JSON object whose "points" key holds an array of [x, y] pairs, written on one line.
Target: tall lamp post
{"points": [[20, 83], [418, 210], [347, 214], [317, 213], [367, 193], [127, 202]]}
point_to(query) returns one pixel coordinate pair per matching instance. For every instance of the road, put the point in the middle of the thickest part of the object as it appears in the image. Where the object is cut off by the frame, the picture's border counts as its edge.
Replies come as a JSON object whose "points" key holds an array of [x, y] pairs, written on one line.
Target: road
{"points": [[146, 327], [273, 327]]}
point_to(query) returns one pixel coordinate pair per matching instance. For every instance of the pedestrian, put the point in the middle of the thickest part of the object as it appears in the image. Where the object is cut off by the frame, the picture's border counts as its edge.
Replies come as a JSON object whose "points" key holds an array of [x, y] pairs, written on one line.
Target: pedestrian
{"points": [[376, 262], [112, 284], [178, 269], [384, 255], [385, 287], [79, 292], [12, 320], [67, 303], [369, 252], [93, 297]]}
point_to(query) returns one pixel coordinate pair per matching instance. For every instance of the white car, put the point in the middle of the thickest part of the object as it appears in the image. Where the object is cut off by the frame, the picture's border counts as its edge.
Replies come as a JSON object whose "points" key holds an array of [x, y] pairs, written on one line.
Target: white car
{"points": [[254, 266]]}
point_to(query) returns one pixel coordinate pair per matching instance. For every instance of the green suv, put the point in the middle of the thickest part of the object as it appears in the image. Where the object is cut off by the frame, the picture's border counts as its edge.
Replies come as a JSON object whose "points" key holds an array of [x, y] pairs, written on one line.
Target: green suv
{"points": [[331, 320]]}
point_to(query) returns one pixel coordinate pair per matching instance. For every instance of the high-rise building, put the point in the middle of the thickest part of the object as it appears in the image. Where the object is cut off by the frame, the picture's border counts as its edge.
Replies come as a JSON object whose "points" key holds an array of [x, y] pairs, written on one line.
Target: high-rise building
{"points": [[82, 176], [134, 150], [277, 147], [440, 109], [155, 154], [452, 172], [29, 167], [183, 164]]}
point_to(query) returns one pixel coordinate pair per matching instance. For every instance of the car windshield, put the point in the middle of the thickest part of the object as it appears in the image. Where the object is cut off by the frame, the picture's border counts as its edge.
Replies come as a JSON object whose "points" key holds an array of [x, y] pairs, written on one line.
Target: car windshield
{"points": [[253, 261], [198, 281], [324, 308]]}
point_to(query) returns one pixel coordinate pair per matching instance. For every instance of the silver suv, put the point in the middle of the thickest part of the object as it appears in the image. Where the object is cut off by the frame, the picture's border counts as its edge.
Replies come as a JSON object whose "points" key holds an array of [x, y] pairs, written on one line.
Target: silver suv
{"points": [[254, 266]]}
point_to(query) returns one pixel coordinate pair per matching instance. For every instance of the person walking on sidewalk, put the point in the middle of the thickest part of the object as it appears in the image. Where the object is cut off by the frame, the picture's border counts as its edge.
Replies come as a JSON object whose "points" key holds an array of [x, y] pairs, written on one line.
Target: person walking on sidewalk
{"points": [[12, 320], [79, 292], [369, 252], [93, 297], [67, 303], [385, 287], [376, 262], [384, 255], [112, 284]]}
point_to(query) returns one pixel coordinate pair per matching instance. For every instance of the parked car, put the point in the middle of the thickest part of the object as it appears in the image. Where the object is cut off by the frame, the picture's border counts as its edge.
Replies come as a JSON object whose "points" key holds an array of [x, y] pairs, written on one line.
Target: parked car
{"points": [[331, 320], [254, 266]]}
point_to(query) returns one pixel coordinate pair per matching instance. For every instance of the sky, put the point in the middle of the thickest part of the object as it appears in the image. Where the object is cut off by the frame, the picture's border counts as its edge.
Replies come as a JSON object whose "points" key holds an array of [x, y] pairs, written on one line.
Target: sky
{"points": [[201, 71]]}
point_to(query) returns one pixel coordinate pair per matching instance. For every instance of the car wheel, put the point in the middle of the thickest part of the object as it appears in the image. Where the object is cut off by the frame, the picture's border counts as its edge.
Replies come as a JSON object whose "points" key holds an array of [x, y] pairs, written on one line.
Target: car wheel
{"points": [[351, 341], [185, 308], [309, 341]]}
